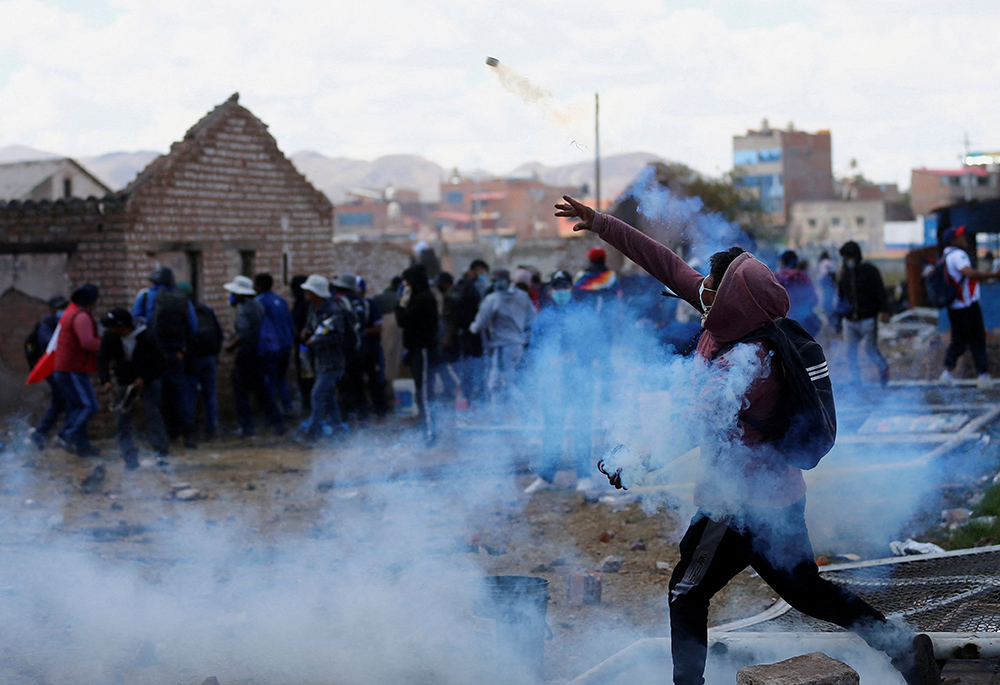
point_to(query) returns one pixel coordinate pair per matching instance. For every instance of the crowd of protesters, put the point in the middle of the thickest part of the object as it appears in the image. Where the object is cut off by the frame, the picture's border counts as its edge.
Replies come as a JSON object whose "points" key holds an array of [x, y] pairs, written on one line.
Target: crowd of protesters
{"points": [[474, 342]]}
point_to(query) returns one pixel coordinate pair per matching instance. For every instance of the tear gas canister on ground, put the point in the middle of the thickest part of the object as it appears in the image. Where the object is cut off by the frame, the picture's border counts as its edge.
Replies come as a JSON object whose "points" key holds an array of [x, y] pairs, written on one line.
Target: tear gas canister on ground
{"points": [[510, 621]]}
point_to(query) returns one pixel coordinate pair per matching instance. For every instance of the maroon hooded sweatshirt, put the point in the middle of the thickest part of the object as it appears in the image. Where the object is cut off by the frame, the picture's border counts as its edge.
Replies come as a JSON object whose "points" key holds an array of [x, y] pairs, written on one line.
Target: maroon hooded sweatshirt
{"points": [[748, 297]]}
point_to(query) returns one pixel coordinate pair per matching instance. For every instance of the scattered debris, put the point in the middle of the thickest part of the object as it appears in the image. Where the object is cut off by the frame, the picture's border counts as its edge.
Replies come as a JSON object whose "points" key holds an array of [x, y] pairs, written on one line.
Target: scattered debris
{"points": [[117, 506], [251, 486], [325, 486], [558, 561], [911, 546], [606, 536], [637, 545], [955, 517], [541, 568], [94, 480], [612, 563], [663, 567], [828, 559], [211, 680], [584, 588], [185, 492]]}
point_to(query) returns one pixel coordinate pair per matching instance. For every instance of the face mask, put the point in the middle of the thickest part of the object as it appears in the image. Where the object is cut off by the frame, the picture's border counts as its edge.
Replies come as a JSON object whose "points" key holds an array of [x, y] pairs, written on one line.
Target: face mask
{"points": [[705, 308], [232, 300], [501, 285], [483, 278], [562, 296]]}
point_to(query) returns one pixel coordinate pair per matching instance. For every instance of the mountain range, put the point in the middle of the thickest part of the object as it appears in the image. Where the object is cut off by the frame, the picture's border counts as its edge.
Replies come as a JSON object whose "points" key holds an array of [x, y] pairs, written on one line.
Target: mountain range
{"points": [[337, 176]]}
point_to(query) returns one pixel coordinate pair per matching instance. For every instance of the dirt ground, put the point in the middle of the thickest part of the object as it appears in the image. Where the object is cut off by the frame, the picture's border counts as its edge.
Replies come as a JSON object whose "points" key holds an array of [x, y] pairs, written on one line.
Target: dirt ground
{"points": [[268, 491]]}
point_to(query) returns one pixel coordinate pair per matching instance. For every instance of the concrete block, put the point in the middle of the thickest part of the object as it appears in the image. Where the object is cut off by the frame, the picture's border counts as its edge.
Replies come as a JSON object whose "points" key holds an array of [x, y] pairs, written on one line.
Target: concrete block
{"points": [[809, 669]]}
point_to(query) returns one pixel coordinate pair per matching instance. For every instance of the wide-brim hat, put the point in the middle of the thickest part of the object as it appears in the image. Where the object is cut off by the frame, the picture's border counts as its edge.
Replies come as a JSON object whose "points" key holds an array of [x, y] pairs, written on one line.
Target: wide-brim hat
{"points": [[317, 285], [241, 285], [345, 282]]}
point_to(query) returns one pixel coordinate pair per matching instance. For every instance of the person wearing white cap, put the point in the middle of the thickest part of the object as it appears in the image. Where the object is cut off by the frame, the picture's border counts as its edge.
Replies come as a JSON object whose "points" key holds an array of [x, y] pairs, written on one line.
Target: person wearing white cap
{"points": [[246, 376], [324, 335]]}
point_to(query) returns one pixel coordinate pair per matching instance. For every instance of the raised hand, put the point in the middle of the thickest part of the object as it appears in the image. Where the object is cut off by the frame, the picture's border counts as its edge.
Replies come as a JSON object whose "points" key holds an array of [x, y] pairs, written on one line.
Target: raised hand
{"points": [[573, 209]]}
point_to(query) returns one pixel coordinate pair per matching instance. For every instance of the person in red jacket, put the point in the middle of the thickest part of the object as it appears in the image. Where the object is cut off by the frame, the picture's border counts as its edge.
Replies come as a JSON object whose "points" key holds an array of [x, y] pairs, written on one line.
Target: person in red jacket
{"points": [[751, 501], [75, 359]]}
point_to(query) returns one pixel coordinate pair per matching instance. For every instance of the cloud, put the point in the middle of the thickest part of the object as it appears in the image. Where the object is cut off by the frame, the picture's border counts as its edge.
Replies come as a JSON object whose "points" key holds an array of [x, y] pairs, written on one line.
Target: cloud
{"points": [[898, 85]]}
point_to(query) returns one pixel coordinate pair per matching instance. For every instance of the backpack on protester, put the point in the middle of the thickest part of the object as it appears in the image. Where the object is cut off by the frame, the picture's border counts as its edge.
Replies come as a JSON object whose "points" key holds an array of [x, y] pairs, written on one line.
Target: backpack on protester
{"points": [[941, 288], [352, 338], [169, 322], [207, 340], [805, 427]]}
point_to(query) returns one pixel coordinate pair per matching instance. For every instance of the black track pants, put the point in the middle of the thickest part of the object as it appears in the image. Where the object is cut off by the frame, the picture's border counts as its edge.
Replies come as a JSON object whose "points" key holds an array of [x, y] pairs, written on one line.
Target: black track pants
{"points": [[776, 544]]}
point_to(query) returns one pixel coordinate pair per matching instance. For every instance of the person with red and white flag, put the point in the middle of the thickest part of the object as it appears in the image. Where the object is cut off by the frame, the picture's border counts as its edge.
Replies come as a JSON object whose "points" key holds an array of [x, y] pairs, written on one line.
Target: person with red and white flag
{"points": [[70, 357]]}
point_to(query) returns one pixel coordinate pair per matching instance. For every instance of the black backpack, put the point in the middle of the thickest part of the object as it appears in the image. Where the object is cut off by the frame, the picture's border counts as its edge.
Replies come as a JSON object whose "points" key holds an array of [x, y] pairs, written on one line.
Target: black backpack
{"points": [[805, 426], [169, 323], [207, 340], [940, 287], [352, 339]]}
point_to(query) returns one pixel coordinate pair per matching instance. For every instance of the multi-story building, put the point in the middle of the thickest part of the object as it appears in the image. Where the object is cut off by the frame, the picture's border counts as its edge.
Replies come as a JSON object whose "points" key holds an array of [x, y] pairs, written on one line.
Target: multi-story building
{"points": [[783, 167], [377, 214], [932, 189], [831, 223], [519, 208]]}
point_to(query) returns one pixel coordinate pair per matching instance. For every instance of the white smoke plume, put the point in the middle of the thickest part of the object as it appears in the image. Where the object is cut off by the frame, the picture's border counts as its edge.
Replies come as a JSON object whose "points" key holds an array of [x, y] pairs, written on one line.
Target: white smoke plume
{"points": [[536, 96]]}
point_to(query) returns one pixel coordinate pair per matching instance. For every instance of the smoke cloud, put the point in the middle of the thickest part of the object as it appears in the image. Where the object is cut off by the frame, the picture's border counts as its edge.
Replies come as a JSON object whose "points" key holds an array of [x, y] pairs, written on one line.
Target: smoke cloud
{"points": [[374, 583], [535, 95]]}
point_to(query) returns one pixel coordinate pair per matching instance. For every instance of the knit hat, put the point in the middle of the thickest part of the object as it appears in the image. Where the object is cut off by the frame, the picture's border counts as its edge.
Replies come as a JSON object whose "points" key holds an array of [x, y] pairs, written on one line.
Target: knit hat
{"points": [[522, 276], [162, 275], [597, 254], [561, 279], [58, 302], [317, 285], [241, 285], [501, 275], [85, 295], [117, 318]]}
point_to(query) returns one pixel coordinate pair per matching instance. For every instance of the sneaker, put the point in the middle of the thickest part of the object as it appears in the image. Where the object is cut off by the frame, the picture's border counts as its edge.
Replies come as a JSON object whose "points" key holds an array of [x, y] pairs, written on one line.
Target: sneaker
{"points": [[584, 484], [65, 444], [984, 382], [917, 665], [37, 439], [163, 465], [945, 377], [536, 485]]}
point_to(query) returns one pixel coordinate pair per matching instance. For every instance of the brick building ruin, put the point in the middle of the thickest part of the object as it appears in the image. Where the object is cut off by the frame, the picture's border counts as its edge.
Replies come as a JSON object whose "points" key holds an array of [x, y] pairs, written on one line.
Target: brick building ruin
{"points": [[224, 201]]}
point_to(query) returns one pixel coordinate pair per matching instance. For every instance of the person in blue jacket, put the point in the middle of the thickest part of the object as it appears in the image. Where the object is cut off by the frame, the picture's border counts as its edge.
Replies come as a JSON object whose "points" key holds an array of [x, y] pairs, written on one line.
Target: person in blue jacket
{"points": [[563, 367], [279, 329]]}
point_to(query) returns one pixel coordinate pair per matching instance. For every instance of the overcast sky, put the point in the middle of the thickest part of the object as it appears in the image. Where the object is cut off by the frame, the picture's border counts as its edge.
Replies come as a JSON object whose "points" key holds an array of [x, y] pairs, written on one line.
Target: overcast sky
{"points": [[900, 83]]}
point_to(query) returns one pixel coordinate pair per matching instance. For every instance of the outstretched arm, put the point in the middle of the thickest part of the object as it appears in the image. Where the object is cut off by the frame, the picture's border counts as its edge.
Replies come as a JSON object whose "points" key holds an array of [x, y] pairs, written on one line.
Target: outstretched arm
{"points": [[659, 261]]}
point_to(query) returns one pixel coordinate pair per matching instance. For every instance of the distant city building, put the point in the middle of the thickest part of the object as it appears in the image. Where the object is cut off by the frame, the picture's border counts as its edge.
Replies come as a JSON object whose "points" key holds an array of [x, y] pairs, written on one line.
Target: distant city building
{"points": [[781, 168], [932, 189], [517, 208], [831, 223], [49, 179], [376, 214]]}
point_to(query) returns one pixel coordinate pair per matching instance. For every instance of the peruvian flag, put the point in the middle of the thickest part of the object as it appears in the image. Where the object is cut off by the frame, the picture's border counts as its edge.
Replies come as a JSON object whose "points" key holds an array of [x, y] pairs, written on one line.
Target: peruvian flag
{"points": [[46, 365]]}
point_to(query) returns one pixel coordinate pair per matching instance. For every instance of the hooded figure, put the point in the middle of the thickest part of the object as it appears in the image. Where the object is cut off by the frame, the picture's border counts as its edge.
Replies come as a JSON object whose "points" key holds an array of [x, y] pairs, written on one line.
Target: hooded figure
{"points": [[751, 502], [417, 315]]}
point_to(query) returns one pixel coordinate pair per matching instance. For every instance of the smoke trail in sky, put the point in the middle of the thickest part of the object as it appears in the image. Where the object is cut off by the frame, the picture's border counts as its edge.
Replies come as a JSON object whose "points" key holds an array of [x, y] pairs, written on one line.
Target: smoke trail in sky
{"points": [[535, 95]]}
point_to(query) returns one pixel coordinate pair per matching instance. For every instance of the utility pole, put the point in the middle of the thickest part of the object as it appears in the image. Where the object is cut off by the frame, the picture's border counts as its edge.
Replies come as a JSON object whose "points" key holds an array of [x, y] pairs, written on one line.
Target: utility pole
{"points": [[968, 170], [597, 150]]}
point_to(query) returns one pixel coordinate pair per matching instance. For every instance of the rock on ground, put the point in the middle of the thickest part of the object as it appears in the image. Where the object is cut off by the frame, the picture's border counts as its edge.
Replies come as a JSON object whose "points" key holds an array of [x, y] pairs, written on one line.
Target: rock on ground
{"points": [[809, 669]]}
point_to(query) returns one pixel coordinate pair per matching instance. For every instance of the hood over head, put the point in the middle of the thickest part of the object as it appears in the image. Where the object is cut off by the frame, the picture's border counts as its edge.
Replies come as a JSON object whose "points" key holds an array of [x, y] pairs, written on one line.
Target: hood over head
{"points": [[748, 298], [416, 276]]}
